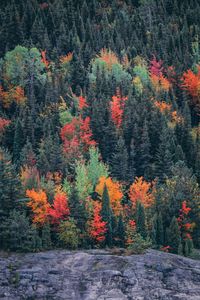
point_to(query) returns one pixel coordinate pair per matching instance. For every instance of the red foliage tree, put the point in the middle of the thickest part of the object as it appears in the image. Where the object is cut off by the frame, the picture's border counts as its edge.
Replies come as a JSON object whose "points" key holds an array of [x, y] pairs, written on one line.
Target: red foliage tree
{"points": [[77, 136], [156, 67], [97, 227], [59, 210], [184, 223], [117, 109], [82, 103], [44, 58], [3, 124]]}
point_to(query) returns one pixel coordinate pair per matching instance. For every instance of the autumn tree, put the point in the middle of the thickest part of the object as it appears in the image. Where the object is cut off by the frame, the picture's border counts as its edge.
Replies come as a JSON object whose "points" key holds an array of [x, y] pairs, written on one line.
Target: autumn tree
{"points": [[141, 191], [115, 193], [97, 227], [39, 206], [59, 210]]}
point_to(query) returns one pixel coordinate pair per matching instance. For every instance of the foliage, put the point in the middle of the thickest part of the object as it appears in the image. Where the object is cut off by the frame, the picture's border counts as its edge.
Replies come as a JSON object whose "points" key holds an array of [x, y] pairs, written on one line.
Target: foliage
{"points": [[39, 205], [114, 191], [59, 210], [69, 234], [141, 191], [97, 227]]}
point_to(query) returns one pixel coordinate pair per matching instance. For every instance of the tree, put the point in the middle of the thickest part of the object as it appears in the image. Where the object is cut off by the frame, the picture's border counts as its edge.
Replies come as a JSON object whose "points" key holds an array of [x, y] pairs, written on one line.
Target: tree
{"points": [[46, 237], [141, 191], [39, 206], [59, 210], [173, 236], [145, 156], [9, 185], [119, 163], [18, 234], [157, 232], [106, 214], [120, 232], [114, 189], [96, 227], [164, 155], [69, 234], [141, 220], [96, 168]]}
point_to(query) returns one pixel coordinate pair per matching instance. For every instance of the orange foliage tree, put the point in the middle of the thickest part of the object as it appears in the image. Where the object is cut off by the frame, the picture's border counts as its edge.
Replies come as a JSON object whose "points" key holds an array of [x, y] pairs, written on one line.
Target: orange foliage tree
{"points": [[130, 230], [108, 57], [97, 227], [191, 83], [15, 94], [114, 191], [39, 206], [141, 191], [59, 210]]}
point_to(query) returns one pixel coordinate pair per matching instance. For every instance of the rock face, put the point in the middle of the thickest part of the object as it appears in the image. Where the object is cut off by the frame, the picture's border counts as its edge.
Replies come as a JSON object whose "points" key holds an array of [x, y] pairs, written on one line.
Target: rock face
{"points": [[91, 275]]}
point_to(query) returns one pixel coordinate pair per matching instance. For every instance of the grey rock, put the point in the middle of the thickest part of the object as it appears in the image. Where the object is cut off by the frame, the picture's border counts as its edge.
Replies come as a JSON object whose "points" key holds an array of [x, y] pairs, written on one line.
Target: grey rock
{"points": [[98, 275]]}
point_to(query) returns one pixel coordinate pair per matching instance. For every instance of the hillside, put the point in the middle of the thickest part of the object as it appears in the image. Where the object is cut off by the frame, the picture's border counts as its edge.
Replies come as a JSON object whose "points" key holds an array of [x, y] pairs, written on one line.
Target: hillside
{"points": [[99, 125]]}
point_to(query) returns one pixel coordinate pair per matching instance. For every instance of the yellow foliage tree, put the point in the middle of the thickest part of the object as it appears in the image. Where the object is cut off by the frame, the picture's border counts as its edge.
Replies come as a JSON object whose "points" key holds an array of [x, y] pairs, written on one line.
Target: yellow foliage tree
{"points": [[114, 191]]}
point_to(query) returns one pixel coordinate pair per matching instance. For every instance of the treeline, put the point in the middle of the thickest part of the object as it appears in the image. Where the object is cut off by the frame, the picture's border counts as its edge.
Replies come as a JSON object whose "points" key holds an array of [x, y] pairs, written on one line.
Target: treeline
{"points": [[99, 125]]}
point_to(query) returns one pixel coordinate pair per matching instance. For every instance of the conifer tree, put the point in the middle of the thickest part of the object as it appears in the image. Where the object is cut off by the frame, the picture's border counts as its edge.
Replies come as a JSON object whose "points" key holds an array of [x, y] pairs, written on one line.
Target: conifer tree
{"points": [[107, 216], [173, 236], [141, 220], [121, 232]]}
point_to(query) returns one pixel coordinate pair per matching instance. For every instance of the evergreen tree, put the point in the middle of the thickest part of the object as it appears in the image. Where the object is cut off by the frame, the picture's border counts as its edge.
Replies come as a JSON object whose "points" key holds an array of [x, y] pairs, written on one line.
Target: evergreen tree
{"points": [[9, 185], [141, 220], [173, 236], [119, 162], [121, 232], [107, 216], [46, 237], [18, 141]]}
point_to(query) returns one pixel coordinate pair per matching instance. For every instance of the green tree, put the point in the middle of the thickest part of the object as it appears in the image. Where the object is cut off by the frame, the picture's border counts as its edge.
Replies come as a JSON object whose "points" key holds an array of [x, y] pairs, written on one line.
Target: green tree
{"points": [[141, 220], [121, 232], [106, 214], [173, 236], [69, 234]]}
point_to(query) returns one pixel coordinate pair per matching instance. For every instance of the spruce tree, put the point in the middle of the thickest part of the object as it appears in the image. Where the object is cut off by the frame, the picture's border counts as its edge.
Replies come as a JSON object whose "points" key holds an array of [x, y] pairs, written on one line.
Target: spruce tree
{"points": [[119, 162], [121, 232], [107, 216], [173, 236], [141, 220]]}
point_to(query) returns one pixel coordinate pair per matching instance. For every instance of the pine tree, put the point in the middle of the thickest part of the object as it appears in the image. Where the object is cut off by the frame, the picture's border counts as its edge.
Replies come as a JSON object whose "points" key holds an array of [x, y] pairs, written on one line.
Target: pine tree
{"points": [[121, 232], [46, 237], [119, 162], [173, 236], [141, 220], [107, 216], [9, 185], [18, 141], [164, 156], [145, 157]]}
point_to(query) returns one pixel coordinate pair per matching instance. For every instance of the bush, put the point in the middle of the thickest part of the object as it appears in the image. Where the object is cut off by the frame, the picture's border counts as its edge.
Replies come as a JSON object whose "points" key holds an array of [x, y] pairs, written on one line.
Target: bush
{"points": [[139, 245], [69, 234]]}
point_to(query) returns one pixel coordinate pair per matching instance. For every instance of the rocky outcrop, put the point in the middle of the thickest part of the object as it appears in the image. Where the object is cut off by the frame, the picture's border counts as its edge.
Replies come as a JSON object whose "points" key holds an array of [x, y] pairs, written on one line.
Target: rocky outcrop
{"points": [[90, 275]]}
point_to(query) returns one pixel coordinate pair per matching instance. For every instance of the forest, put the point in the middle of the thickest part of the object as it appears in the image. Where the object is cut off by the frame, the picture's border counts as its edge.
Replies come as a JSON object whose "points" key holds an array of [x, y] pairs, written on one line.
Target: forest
{"points": [[99, 125]]}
